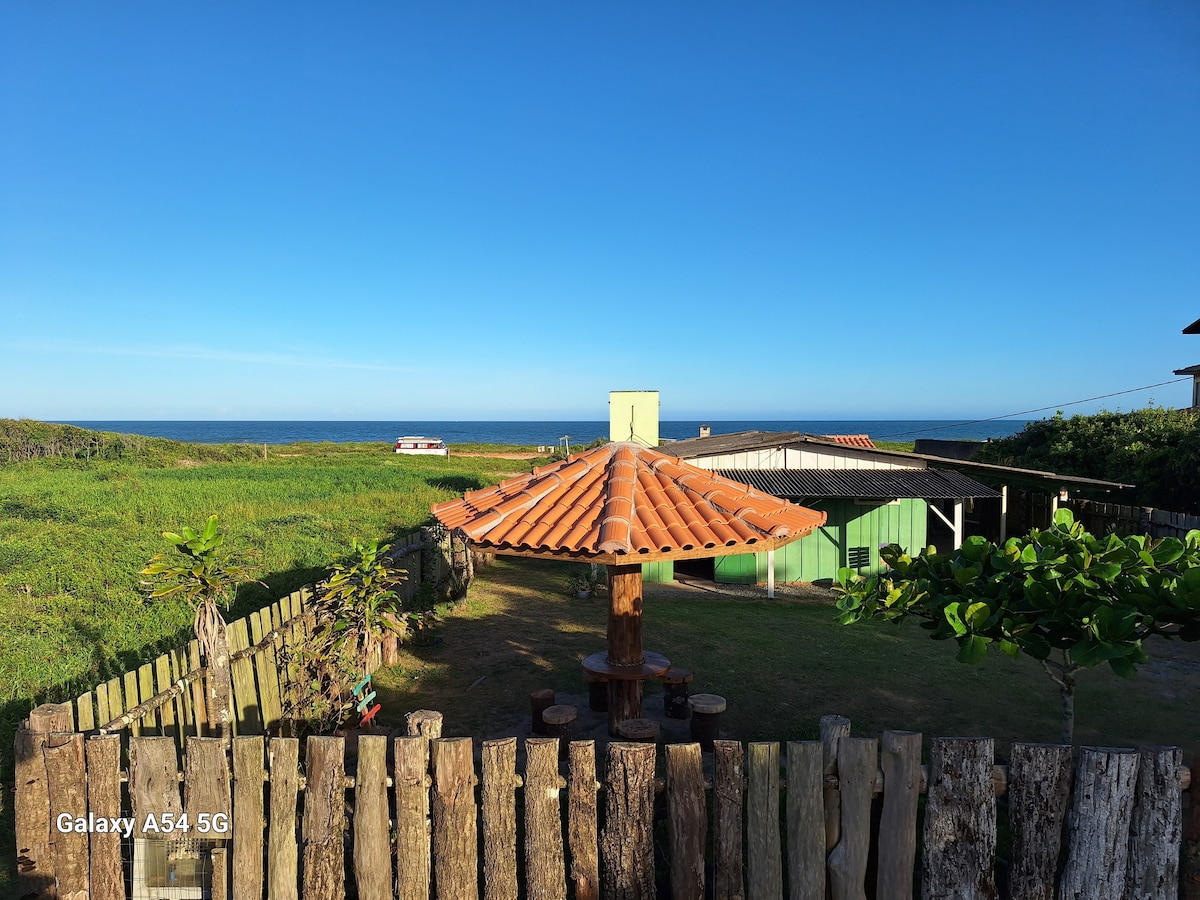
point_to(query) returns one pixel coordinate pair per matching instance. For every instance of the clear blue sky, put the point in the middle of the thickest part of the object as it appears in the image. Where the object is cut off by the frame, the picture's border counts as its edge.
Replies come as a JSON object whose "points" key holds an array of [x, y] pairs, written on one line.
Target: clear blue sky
{"points": [[504, 210]]}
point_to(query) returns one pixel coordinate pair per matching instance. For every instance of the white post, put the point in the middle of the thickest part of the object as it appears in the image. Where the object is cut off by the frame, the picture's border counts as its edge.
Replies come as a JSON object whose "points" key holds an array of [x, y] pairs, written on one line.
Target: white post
{"points": [[958, 523], [1003, 513], [770, 574], [1053, 505]]}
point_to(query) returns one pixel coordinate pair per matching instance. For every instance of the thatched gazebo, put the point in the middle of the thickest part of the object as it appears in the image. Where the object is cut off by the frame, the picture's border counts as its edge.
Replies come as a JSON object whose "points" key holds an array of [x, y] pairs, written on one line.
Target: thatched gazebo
{"points": [[623, 505]]}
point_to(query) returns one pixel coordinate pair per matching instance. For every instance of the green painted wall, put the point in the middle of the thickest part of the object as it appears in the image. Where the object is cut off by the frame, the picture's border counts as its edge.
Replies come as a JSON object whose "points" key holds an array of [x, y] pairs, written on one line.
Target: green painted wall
{"points": [[658, 572], [820, 554]]}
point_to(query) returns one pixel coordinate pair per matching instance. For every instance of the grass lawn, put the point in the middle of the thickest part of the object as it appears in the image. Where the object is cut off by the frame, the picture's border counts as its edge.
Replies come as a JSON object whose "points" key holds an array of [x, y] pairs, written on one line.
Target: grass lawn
{"points": [[781, 664]]}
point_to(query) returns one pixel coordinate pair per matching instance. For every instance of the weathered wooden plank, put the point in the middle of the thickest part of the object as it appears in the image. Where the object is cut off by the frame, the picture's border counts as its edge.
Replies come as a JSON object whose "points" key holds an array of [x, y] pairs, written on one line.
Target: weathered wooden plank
{"points": [[499, 819], [960, 821], [455, 854], [282, 873], [627, 847], [266, 669], [35, 859], [324, 819], [901, 764], [1098, 827], [806, 821], [152, 721], [412, 818], [130, 700], [206, 789], [183, 703], [104, 800], [687, 817], [728, 772], [858, 760], [545, 873], [581, 821], [66, 787], [200, 716], [833, 728], [1038, 791], [764, 869], [248, 817], [219, 859], [247, 709], [372, 845], [1156, 830], [153, 782], [116, 702], [103, 708], [166, 713], [85, 712]]}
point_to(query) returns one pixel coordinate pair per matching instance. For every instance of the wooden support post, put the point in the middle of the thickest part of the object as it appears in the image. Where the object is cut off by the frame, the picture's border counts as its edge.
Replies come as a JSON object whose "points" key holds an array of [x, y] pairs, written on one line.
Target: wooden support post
{"points": [[282, 871], [857, 763], [499, 819], [1157, 827], [628, 843], [220, 874], [455, 853], [412, 818], [960, 821], [958, 523], [104, 799], [728, 772], [806, 821], [324, 819], [248, 814], [35, 862], [1003, 513], [544, 866], [66, 784], [901, 764], [1098, 832], [764, 869], [833, 729], [1038, 790], [581, 821], [688, 819], [372, 844], [624, 642], [771, 574]]}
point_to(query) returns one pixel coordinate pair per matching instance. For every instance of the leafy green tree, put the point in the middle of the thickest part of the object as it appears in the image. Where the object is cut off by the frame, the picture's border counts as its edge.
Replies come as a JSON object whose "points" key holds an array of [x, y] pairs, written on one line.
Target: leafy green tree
{"points": [[208, 581], [1156, 449], [1069, 600]]}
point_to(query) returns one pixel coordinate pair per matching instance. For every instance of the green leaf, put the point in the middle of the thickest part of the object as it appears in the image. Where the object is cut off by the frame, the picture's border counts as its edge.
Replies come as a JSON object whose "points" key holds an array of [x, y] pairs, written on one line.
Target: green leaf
{"points": [[972, 649], [210, 528], [978, 614], [1123, 667], [1009, 649], [172, 538], [1104, 571], [1063, 517], [955, 621]]}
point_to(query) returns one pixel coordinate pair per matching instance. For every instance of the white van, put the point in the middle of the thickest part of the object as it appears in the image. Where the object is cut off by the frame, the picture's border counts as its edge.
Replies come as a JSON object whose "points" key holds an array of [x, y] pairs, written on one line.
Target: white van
{"points": [[422, 445]]}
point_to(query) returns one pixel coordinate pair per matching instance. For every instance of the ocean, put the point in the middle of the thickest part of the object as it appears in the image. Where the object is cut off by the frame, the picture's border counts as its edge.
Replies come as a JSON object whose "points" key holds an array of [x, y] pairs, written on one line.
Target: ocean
{"points": [[534, 433]]}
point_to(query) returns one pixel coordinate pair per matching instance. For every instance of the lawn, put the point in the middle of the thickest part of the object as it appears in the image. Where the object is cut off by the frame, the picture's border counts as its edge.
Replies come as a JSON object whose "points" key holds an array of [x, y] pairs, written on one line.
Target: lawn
{"points": [[781, 664]]}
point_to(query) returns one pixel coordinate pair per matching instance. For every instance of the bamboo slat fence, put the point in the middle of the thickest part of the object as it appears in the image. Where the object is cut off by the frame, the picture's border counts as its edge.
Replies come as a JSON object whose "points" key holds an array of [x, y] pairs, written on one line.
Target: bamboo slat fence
{"points": [[421, 816]]}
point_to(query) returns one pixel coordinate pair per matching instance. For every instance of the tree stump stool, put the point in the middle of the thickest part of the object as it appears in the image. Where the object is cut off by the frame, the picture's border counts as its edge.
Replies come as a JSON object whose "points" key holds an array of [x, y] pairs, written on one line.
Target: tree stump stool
{"points": [[539, 702], [560, 723], [675, 693], [641, 731], [597, 692], [706, 719]]}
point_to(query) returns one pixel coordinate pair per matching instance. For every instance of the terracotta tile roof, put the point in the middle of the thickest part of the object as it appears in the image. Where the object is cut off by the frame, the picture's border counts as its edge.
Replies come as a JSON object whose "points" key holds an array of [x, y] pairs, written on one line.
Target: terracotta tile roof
{"points": [[852, 440], [621, 500]]}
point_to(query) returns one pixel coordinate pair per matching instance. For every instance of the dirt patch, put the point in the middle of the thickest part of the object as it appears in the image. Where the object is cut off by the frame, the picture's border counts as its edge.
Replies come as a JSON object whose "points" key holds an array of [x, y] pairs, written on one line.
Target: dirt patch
{"points": [[498, 455], [189, 463]]}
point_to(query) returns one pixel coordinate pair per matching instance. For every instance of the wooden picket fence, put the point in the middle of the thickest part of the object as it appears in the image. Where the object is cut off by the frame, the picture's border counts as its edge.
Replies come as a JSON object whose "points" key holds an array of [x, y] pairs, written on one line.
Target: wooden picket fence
{"points": [[416, 817], [1101, 518]]}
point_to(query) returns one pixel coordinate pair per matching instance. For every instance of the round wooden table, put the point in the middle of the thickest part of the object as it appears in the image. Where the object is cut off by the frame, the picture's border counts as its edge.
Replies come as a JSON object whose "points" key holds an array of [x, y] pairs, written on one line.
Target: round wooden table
{"points": [[653, 665]]}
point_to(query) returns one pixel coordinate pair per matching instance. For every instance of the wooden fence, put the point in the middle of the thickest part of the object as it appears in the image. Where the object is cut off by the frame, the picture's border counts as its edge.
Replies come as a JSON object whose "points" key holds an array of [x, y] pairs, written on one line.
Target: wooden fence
{"points": [[1101, 518], [411, 817]]}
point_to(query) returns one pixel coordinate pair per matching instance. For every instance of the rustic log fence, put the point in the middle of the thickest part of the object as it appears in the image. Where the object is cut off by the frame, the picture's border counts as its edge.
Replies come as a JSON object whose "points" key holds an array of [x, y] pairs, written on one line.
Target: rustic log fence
{"points": [[419, 816]]}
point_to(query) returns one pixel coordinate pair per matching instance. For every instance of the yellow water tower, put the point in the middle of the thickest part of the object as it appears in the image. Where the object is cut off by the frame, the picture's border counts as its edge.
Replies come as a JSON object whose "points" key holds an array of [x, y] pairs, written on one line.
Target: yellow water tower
{"points": [[633, 416]]}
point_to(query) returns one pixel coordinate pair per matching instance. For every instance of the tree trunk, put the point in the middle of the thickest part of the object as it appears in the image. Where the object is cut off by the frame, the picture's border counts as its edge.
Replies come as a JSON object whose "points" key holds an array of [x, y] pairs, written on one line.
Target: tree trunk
{"points": [[220, 688]]}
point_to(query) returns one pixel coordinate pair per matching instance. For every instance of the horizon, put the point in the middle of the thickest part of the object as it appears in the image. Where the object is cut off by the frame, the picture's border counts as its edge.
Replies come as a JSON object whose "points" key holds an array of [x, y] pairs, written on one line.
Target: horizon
{"points": [[926, 212]]}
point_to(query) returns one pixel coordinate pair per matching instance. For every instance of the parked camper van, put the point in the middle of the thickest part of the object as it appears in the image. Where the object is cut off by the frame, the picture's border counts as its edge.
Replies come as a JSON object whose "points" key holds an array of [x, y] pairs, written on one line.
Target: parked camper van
{"points": [[422, 445]]}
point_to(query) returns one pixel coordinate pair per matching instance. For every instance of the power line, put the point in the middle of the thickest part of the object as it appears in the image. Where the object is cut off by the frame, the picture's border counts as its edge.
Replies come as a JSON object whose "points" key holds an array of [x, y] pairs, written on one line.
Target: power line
{"points": [[1028, 411]]}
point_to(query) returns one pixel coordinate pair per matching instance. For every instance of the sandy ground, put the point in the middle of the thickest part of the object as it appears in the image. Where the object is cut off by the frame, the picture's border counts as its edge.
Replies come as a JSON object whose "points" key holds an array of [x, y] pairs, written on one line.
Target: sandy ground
{"points": [[498, 455]]}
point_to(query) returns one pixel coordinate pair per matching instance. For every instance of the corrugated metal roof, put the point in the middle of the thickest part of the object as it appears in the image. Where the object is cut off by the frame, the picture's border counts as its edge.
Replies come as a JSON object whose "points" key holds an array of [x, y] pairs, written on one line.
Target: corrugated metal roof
{"points": [[620, 500], [924, 484], [692, 448]]}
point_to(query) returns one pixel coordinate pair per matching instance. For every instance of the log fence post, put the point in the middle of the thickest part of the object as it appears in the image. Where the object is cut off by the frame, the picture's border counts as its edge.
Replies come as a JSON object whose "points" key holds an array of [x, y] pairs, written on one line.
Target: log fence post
{"points": [[1098, 829], [499, 819], [1039, 789], [628, 842], [455, 853], [688, 819], [805, 821], [728, 789], [960, 821], [545, 870], [581, 821]]}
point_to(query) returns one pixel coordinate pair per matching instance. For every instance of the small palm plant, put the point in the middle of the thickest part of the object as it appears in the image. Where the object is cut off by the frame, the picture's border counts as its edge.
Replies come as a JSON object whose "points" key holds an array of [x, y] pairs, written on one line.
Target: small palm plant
{"points": [[360, 604], [208, 582]]}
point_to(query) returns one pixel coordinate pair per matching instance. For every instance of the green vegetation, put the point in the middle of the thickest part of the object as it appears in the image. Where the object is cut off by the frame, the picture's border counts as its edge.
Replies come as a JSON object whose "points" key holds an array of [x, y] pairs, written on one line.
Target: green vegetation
{"points": [[1061, 596], [1156, 449], [75, 531], [905, 446]]}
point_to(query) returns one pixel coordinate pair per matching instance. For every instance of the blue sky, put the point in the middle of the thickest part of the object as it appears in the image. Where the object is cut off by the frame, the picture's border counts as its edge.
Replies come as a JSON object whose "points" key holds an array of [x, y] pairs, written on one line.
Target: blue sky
{"points": [[504, 211]]}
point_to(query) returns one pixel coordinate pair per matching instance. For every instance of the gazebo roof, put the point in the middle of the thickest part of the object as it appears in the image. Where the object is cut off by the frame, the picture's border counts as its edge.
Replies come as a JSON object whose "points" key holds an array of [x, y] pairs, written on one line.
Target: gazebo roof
{"points": [[623, 504]]}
